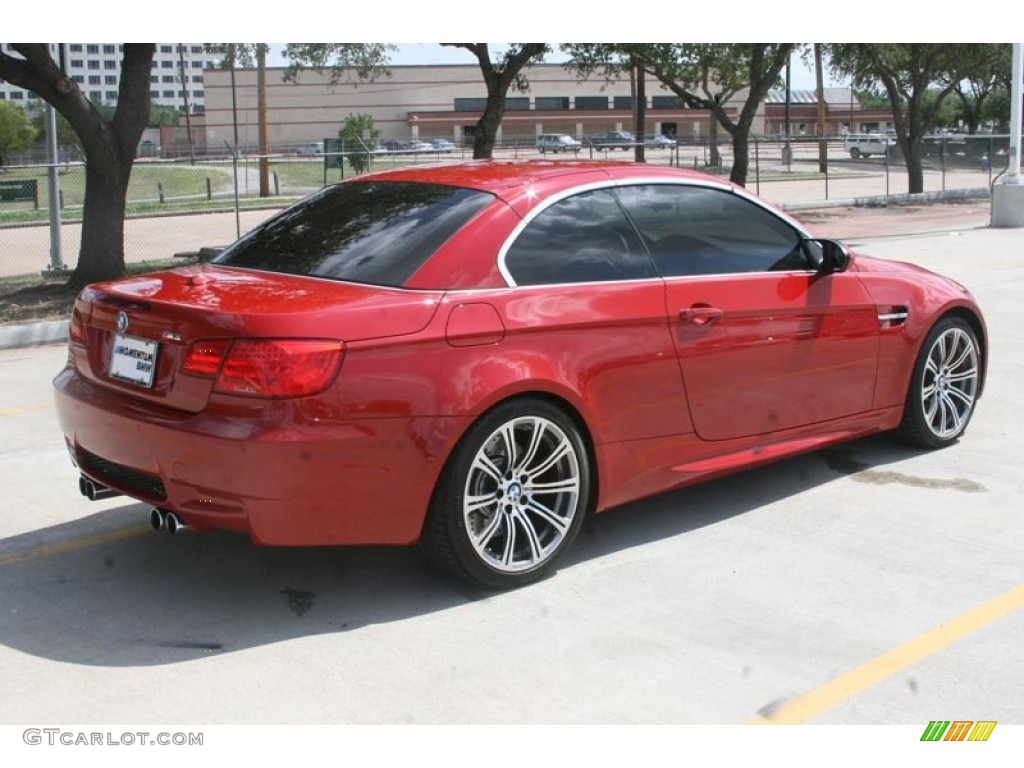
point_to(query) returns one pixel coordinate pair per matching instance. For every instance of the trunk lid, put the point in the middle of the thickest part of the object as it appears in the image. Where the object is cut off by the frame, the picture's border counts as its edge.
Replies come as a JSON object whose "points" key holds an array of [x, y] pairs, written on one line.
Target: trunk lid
{"points": [[152, 320]]}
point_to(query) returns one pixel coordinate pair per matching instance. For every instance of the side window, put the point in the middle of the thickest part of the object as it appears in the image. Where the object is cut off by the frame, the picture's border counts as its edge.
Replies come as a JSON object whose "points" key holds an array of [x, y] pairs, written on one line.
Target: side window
{"points": [[701, 231], [584, 238]]}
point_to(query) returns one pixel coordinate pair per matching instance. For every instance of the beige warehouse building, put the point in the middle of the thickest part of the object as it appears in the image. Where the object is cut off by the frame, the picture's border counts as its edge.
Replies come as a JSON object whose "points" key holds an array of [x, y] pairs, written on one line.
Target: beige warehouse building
{"points": [[428, 102]]}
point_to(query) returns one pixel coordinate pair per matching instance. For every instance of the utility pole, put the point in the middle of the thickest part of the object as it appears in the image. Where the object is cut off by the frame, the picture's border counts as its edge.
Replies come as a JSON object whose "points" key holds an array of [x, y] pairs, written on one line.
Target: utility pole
{"points": [[56, 255], [822, 128], [787, 149], [234, 93], [261, 88], [184, 101], [639, 112]]}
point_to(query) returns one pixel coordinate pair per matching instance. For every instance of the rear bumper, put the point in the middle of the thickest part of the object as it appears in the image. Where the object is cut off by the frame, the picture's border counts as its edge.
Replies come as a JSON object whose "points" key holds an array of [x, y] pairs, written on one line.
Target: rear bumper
{"points": [[283, 476]]}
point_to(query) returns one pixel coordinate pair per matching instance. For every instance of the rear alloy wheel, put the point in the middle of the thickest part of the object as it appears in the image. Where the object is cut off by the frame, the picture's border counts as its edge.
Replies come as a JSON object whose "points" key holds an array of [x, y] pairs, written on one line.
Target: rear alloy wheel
{"points": [[944, 388], [512, 498]]}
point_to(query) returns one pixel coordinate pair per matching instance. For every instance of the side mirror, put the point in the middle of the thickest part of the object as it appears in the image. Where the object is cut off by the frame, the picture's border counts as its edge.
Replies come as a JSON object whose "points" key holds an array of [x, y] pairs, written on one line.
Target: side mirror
{"points": [[834, 256]]}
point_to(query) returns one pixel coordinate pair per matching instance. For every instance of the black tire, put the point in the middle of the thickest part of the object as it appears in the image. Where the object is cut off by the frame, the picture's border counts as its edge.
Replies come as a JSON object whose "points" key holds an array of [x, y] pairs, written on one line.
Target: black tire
{"points": [[491, 526], [944, 386], [855, 153]]}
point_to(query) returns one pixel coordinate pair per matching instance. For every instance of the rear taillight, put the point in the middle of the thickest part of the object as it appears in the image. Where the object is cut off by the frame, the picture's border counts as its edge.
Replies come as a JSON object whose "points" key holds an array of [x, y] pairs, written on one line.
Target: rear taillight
{"points": [[76, 329], [266, 367], [204, 358]]}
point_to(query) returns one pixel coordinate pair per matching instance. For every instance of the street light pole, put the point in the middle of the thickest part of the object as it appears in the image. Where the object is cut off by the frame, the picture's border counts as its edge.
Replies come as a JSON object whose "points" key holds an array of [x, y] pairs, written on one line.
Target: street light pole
{"points": [[1008, 196], [56, 254]]}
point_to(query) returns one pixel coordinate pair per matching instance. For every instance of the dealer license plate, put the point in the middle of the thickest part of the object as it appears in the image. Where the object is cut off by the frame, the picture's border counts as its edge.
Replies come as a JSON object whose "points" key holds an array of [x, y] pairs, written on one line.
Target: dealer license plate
{"points": [[133, 360]]}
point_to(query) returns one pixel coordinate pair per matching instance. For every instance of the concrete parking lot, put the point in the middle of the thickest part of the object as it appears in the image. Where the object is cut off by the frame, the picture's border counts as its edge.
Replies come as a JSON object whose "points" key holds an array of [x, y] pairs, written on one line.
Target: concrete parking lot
{"points": [[866, 584]]}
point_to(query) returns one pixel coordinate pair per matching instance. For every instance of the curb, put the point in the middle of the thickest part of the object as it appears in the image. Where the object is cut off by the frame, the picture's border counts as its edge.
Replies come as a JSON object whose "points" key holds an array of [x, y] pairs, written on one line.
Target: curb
{"points": [[50, 332], [885, 201]]}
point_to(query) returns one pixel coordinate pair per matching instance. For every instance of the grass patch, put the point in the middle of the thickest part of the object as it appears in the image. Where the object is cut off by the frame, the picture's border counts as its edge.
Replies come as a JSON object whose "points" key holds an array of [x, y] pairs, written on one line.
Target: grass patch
{"points": [[30, 299], [144, 209], [144, 184]]}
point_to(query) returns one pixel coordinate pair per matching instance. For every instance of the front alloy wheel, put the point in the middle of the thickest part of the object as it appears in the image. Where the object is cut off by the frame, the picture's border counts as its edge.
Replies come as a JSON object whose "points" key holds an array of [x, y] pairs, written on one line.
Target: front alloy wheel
{"points": [[944, 388], [513, 497]]}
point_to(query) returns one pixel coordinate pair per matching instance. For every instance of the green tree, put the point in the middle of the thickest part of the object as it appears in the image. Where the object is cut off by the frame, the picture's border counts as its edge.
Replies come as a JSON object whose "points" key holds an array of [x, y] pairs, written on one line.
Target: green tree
{"points": [[500, 75], [975, 90], [997, 108], [703, 76], [161, 115], [16, 130], [109, 144], [359, 137], [66, 136], [906, 73]]}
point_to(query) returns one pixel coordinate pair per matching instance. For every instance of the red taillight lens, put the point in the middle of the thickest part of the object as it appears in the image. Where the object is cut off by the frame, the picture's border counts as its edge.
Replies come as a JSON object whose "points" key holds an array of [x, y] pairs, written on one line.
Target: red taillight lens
{"points": [[279, 367], [76, 329], [204, 357]]}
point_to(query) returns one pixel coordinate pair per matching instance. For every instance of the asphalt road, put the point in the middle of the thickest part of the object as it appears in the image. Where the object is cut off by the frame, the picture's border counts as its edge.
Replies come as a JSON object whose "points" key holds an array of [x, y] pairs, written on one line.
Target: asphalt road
{"points": [[867, 584]]}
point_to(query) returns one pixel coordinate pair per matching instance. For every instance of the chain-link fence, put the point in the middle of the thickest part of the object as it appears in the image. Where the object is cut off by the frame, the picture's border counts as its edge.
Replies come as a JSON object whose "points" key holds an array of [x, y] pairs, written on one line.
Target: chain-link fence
{"points": [[178, 206]]}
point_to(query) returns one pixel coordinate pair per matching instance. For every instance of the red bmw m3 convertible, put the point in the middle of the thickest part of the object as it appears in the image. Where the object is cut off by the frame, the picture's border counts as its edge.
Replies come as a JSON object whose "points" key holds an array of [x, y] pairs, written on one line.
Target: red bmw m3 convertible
{"points": [[474, 357]]}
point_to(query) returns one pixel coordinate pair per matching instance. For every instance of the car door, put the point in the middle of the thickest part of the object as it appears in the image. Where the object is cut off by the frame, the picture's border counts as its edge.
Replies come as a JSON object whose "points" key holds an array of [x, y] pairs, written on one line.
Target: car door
{"points": [[587, 294], [765, 342]]}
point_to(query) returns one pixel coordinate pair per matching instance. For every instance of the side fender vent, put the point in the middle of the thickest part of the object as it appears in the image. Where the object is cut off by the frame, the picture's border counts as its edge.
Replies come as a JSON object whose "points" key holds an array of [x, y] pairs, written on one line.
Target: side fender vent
{"points": [[892, 317]]}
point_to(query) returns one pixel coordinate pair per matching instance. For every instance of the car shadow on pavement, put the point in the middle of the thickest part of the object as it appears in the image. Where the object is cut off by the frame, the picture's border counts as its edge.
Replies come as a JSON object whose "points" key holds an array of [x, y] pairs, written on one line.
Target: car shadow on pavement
{"points": [[107, 591]]}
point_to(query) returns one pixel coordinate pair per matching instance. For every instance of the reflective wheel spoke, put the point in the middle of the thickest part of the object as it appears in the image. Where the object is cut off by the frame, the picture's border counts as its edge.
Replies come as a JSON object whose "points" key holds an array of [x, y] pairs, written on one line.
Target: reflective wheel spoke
{"points": [[562, 449], [536, 435], [510, 544], [539, 509], [532, 537], [485, 536], [558, 486], [485, 465], [963, 376]]}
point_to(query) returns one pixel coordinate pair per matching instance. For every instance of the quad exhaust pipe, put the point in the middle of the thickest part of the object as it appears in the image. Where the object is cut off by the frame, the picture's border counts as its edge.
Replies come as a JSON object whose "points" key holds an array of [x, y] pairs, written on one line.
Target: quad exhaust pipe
{"points": [[161, 520], [93, 491]]}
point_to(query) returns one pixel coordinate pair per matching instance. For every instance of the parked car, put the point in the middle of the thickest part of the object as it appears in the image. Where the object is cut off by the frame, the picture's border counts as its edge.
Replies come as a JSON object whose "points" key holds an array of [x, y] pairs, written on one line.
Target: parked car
{"points": [[442, 145], [474, 357], [659, 142], [613, 140], [406, 146], [867, 144], [557, 142], [311, 150]]}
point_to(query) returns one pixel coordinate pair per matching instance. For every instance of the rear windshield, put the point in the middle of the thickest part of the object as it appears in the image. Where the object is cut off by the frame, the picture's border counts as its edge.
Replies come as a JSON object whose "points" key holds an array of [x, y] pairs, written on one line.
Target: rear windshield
{"points": [[376, 232]]}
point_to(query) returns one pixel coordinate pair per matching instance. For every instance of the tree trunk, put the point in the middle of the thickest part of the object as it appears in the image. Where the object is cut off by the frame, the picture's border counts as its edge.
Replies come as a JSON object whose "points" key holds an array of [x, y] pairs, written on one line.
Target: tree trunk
{"points": [[740, 156], [915, 169], [101, 256], [486, 132], [715, 159]]}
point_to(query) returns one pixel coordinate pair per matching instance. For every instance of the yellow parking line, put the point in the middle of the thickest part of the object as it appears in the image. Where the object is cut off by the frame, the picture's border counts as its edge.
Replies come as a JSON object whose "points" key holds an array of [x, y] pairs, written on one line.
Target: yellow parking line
{"points": [[25, 409], [74, 545], [888, 664]]}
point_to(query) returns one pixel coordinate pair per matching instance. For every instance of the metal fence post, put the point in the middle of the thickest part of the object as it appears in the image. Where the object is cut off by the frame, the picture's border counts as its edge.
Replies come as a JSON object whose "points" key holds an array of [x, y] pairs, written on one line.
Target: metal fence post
{"points": [[886, 171], [234, 167], [942, 154], [757, 164], [826, 171]]}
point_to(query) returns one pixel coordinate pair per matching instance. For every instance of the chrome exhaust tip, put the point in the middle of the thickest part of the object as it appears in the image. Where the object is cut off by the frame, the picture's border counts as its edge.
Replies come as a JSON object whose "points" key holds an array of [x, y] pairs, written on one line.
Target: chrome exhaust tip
{"points": [[93, 491], [157, 519], [175, 524]]}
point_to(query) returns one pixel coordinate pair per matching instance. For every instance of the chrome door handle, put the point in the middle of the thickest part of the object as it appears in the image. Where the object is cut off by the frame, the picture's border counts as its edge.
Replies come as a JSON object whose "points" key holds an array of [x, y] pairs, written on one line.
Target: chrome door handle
{"points": [[701, 315]]}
